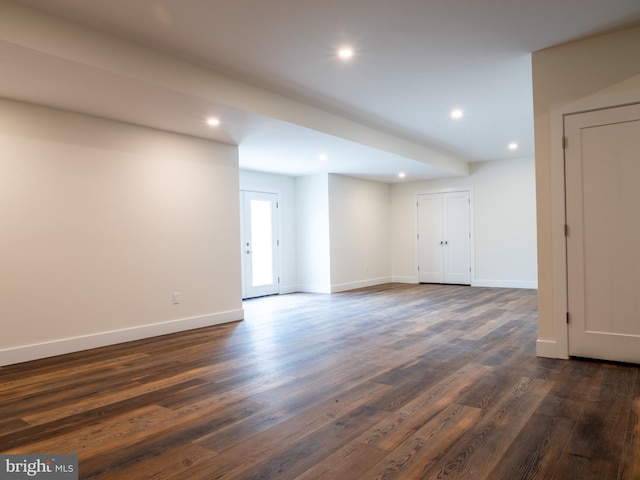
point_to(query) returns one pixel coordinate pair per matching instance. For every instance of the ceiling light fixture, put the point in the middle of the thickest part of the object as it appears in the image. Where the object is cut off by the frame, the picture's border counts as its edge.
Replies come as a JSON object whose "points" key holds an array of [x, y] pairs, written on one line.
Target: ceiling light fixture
{"points": [[213, 122], [513, 146], [457, 114], [345, 53], [323, 157], [402, 175]]}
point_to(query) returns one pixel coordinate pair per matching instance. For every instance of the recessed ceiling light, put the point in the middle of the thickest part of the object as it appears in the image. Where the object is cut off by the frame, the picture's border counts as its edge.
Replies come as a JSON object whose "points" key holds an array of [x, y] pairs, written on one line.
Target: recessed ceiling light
{"points": [[323, 157], [345, 53], [457, 113], [213, 122], [402, 175], [513, 146]]}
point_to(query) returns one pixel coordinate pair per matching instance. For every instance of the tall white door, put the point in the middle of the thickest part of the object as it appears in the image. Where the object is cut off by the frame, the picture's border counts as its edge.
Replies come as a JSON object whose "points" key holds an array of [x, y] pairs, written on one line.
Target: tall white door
{"points": [[444, 238], [259, 244], [457, 240], [430, 239], [602, 163]]}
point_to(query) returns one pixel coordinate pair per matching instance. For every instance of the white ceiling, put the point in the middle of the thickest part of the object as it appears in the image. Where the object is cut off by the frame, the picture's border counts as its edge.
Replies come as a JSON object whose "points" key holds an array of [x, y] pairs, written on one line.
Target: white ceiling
{"points": [[414, 61]]}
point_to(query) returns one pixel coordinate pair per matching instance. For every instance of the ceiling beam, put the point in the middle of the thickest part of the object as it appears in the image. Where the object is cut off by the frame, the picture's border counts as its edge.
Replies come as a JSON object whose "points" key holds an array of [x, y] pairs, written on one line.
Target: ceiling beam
{"points": [[29, 28]]}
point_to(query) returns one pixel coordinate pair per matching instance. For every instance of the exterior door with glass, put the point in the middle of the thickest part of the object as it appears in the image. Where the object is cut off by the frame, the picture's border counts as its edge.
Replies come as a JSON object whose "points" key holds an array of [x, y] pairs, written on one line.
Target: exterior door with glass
{"points": [[259, 244]]}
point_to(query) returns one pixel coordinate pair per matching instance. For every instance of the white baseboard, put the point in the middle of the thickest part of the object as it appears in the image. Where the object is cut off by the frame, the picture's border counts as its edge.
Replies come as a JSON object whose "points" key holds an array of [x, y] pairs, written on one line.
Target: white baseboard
{"points": [[306, 288], [69, 345], [343, 287], [479, 283], [505, 283], [285, 289], [546, 348], [404, 279]]}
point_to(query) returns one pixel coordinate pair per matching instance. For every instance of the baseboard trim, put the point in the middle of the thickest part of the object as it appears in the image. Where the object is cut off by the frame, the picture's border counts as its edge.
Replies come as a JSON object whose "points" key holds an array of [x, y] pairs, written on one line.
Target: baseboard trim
{"points": [[413, 280], [505, 283], [314, 289], [69, 345], [286, 289], [546, 348], [479, 283], [343, 287]]}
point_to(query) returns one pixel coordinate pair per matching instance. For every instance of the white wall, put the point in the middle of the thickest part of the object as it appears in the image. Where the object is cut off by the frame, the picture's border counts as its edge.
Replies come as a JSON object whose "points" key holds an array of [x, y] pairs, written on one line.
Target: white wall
{"points": [[312, 234], [101, 222], [285, 187], [359, 233], [352, 233], [504, 223]]}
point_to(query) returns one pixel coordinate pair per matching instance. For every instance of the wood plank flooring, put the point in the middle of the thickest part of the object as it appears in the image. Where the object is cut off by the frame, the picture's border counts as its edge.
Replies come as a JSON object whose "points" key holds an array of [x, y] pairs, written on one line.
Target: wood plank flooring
{"points": [[388, 382]]}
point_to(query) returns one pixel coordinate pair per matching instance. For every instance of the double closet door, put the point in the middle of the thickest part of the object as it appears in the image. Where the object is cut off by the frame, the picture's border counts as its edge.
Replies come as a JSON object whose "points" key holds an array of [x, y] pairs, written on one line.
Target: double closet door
{"points": [[444, 238]]}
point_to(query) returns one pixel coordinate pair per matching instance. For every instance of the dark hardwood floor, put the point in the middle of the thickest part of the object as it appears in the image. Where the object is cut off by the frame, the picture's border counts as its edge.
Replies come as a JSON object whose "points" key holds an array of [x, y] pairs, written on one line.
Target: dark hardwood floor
{"points": [[389, 382]]}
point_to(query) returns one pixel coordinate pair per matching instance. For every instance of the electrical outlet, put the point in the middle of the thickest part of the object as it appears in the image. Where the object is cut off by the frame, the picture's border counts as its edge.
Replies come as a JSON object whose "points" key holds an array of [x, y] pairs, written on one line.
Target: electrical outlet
{"points": [[176, 298]]}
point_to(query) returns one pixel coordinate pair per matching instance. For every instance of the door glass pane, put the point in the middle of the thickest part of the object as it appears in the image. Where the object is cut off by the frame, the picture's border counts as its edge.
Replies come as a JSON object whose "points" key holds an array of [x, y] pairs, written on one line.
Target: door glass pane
{"points": [[261, 241]]}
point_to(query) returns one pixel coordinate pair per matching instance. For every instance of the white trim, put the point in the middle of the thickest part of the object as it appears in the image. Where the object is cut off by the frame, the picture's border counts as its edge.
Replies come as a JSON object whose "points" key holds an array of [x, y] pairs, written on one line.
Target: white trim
{"points": [[342, 287], [285, 289], [308, 288], [505, 283], [558, 243], [547, 349], [443, 190], [558, 240], [69, 345], [404, 279], [482, 283]]}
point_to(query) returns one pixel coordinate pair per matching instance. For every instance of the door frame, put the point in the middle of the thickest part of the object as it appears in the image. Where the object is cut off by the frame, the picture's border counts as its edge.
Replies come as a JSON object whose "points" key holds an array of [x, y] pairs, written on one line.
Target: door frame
{"points": [[278, 234], [559, 348], [472, 262]]}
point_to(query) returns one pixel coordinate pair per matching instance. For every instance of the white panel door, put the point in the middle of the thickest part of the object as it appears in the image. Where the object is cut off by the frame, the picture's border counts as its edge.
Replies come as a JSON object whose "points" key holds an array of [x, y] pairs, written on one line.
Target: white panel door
{"points": [[430, 239], [457, 255], [444, 254], [259, 244], [602, 161]]}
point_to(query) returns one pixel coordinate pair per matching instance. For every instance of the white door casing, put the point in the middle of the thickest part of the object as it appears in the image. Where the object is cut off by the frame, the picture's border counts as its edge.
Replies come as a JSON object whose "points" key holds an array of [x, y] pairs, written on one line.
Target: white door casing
{"points": [[602, 164]]}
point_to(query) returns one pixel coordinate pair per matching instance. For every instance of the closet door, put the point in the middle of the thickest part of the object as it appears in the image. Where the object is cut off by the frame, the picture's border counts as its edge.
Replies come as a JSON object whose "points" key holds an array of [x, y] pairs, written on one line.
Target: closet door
{"points": [[430, 239], [457, 238], [444, 238], [603, 235]]}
